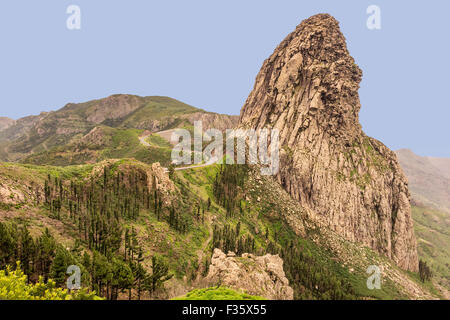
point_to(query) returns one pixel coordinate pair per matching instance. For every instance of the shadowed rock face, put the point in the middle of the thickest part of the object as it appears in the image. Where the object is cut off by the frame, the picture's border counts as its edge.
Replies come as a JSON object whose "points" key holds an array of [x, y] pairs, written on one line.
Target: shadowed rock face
{"points": [[308, 90]]}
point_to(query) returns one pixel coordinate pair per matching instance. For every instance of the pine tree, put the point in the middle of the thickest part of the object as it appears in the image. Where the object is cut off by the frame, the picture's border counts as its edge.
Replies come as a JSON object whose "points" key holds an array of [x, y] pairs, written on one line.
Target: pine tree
{"points": [[59, 266], [160, 274], [171, 171]]}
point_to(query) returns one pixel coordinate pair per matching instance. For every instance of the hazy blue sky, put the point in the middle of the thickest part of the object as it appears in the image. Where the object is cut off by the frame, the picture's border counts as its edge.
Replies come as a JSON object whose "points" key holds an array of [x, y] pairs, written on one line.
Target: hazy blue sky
{"points": [[207, 53]]}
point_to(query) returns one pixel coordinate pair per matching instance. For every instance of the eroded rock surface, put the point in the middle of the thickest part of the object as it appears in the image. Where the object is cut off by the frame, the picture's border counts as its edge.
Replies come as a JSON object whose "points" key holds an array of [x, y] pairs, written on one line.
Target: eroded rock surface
{"points": [[308, 90]]}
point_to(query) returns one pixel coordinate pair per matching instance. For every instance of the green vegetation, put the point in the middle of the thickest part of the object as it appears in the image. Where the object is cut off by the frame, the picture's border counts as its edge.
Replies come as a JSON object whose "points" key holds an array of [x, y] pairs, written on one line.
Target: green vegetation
{"points": [[159, 108], [309, 275], [132, 239], [62, 137], [157, 141], [432, 229], [105, 215], [425, 272], [115, 144], [14, 286], [375, 158], [220, 293]]}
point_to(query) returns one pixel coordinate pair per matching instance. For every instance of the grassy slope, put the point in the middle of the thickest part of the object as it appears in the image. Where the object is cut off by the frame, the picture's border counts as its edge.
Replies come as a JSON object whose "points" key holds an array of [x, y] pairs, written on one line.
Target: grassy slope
{"points": [[61, 128], [158, 108], [217, 294], [259, 216], [432, 229], [155, 236], [186, 252], [119, 143]]}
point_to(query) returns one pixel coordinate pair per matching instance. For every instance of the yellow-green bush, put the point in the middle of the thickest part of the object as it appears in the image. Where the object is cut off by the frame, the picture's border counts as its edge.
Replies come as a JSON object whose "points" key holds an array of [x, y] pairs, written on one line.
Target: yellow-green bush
{"points": [[221, 293], [13, 286]]}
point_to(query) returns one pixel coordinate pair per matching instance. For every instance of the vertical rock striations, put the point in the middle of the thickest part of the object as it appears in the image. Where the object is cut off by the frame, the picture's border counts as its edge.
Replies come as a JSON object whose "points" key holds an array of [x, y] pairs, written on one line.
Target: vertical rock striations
{"points": [[308, 90]]}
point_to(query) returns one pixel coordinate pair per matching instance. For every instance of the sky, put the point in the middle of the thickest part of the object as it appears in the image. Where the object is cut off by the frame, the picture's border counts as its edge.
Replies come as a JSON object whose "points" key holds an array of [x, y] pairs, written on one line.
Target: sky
{"points": [[207, 53]]}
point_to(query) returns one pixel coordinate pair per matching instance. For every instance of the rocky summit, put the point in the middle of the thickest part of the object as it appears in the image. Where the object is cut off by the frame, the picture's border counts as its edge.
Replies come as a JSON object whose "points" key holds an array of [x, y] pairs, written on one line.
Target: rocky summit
{"points": [[308, 90]]}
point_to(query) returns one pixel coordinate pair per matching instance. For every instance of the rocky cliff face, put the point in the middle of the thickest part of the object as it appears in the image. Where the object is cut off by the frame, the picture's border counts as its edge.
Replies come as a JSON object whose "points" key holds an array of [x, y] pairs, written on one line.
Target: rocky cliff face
{"points": [[308, 90], [262, 276]]}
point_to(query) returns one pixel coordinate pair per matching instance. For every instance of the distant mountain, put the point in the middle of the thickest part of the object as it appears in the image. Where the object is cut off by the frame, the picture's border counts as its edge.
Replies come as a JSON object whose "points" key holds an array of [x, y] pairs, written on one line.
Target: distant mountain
{"points": [[443, 164], [5, 123], [429, 184], [49, 134], [429, 179]]}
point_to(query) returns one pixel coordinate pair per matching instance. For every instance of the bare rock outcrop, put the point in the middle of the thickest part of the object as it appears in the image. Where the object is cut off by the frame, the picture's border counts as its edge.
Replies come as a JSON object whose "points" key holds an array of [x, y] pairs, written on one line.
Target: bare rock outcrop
{"points": [[114, 107], [308, 90], [209, 121], [263, 276], [96, 138]]}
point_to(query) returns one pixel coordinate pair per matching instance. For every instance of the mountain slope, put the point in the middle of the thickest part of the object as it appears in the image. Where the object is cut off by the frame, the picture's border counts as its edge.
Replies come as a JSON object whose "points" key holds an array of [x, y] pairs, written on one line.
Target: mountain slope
{"points": [[429, 180], [308, 90], [187, 226], [49, 134], [429, 184], [433, 236], [16, 132], [102, 143]]}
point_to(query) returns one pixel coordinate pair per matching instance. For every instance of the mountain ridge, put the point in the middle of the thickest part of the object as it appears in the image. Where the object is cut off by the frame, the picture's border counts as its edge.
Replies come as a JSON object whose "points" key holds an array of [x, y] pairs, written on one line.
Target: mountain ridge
{"points": [[37, 134]]}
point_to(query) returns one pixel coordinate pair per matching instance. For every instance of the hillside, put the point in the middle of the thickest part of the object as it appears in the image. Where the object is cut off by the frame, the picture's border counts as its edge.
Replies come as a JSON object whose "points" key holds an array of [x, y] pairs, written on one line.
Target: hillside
{"points": [[432, 229], [429, 183], [429, 179], [217, 294], [102, 143], [59, 137], [190, 217]]}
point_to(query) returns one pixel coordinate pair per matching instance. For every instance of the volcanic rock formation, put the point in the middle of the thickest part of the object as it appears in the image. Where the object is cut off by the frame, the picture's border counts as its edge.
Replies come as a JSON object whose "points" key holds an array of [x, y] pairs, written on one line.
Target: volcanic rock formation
{"points": [[308, 90]]}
